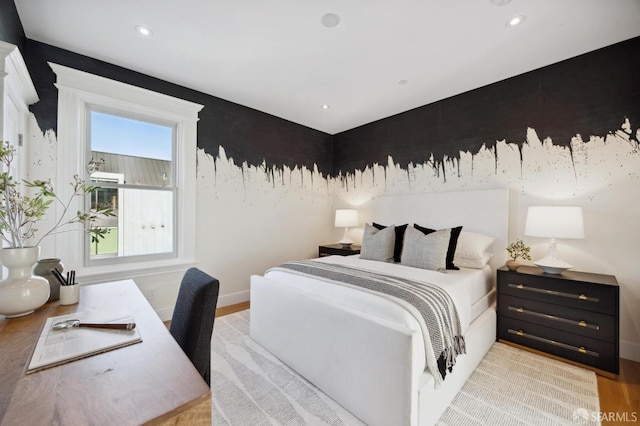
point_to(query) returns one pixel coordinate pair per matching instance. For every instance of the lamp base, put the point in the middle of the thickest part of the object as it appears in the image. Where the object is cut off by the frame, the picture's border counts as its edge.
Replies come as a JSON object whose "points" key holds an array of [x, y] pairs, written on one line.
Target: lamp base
{"points": [[346, 241], [552, 265]]}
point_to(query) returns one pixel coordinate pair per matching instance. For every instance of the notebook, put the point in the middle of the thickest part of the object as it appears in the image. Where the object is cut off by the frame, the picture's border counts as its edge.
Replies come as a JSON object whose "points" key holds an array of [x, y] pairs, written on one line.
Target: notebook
{"points": [[56, 347]]}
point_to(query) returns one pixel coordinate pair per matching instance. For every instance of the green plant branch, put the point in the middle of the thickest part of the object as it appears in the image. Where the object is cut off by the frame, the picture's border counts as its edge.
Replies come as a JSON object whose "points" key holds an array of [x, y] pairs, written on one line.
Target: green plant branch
{"points": [[19, 213], [518, 249]]}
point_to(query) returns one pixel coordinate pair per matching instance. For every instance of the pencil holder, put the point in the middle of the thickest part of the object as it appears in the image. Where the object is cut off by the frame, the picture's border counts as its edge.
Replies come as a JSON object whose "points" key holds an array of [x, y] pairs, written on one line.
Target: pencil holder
{"points": [[69, 294]]}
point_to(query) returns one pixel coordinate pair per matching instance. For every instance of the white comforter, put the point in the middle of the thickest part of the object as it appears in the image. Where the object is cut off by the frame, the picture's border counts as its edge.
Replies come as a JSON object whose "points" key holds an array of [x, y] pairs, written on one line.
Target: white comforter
{"points": [[464, 287]]}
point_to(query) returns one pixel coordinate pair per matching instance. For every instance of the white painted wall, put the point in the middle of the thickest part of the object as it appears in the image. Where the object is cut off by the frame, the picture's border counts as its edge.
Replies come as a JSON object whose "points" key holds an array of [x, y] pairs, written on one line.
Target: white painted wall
{"points": [[603, 178], [250, 220]]}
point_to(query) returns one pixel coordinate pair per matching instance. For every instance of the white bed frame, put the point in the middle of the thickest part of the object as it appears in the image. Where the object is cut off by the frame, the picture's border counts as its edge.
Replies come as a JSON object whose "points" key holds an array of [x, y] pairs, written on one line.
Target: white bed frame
{"points": [[365, 363]]}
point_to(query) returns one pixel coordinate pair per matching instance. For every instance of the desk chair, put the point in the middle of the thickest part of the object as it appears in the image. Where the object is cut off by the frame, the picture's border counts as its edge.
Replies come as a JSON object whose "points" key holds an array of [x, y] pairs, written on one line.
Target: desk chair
{"points": [[193, 316]]}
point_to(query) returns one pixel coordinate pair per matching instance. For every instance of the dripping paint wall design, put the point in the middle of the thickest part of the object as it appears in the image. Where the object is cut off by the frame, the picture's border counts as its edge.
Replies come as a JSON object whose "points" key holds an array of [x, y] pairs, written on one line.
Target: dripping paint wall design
{"points": [[256, 217], [591, 94], [263, 186], [248, 135], [566, 134], [601, 175], [267, 188], [248, 218]]}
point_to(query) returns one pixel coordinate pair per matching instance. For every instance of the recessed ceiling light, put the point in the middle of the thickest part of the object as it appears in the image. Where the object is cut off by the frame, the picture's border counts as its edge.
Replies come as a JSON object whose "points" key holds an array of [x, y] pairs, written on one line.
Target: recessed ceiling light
{"points": [[330, 20], [516, 20], [143, 31], [325, 107]]}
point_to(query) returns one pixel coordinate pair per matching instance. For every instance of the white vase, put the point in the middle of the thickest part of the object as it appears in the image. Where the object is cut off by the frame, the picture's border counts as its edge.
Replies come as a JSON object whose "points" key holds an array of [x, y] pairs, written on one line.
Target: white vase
{"points": [[21, 292]]}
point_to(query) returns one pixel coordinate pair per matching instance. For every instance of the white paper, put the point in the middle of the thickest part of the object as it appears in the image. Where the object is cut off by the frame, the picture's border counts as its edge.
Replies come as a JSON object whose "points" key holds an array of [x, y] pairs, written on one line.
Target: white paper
{"points": [[56, 347]]}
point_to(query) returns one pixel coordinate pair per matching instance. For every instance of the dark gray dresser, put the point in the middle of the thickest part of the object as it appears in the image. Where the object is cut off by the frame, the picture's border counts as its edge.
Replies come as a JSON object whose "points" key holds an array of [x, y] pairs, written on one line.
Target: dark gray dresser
{"points": [[573, 316]]}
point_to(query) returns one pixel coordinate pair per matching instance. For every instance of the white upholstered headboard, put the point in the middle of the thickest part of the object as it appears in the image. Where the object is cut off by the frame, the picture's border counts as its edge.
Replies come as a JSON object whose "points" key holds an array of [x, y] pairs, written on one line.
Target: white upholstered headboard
{"points": [[483, 211]]}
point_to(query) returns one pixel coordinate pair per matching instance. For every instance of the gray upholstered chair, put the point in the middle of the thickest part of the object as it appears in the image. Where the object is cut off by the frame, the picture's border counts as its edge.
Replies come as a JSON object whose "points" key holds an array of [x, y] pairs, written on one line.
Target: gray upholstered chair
{"points": [[193, 316]]}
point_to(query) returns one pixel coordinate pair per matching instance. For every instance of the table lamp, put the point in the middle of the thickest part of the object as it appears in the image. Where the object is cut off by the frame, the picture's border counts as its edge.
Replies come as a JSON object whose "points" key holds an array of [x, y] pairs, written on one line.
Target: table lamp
{"points": [[346, 218], [554, 222]]}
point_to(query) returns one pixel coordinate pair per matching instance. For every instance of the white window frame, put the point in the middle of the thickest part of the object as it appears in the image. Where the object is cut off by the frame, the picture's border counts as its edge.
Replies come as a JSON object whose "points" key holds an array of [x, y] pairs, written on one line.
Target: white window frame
{"points": [[152, 120], [80, 92]]}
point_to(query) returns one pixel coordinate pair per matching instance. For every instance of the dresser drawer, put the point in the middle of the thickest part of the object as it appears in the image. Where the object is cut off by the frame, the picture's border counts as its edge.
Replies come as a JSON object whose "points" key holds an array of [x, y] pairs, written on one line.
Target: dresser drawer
{"points": [[591, 352], [591, 297], [589, 324]]}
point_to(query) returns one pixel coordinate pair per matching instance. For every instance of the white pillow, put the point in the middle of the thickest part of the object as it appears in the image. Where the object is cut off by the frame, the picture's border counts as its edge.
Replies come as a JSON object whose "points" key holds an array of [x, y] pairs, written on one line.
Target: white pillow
{"points": [[472, 250], [473, 262]]}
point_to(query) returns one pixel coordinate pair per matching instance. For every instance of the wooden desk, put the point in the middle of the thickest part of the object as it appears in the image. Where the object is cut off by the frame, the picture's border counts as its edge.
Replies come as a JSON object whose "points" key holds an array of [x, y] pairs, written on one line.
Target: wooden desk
{"points": [[147, 382]]}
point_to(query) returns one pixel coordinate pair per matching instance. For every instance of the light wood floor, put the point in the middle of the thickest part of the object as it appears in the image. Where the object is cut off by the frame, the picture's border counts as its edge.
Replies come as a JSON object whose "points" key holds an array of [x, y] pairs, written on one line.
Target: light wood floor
{"points": [[620, 396], [200, 415]]}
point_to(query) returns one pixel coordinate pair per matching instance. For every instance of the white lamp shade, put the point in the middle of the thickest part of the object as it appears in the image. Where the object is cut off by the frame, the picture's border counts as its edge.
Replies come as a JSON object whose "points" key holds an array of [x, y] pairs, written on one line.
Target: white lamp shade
{"points": [[555, 222], [346, 218]]}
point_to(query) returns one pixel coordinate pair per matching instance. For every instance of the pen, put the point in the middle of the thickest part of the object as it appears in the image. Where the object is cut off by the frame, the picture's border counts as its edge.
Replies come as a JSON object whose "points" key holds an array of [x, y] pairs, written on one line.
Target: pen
{"points": [[70, 280], [58, 276]]}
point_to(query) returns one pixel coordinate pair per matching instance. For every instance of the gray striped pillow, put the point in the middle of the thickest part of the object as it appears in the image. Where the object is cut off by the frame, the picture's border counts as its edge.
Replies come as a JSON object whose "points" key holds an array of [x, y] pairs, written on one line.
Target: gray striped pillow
{"points": [[426, 251], [378, 244]]}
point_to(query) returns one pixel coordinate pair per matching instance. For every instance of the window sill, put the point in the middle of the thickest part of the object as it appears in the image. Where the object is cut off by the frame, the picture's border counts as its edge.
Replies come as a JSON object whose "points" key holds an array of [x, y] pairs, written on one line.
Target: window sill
{"points": [[101, 274]]}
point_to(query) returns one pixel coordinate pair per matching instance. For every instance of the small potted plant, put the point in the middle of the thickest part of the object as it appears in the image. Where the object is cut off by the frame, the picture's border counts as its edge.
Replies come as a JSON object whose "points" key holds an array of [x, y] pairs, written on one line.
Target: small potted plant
{"points": [[517, 249]]}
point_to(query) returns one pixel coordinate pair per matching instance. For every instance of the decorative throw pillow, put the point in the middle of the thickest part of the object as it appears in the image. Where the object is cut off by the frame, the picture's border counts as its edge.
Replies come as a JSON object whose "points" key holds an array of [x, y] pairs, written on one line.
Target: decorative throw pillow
{"points": [[397, 248], [472, 250], [453, 242], [426, 251], [377, 244]]}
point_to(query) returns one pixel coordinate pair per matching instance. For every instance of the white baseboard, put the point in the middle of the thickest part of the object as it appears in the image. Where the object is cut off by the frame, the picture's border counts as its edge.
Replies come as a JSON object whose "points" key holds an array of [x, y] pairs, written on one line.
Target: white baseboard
{"points": [[630, 350], [233, 299], [166, 313]]}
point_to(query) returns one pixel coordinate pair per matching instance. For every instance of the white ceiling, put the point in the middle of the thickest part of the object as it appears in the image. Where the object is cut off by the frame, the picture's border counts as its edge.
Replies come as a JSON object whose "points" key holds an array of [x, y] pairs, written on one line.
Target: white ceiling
{"points": [[277, 57]]}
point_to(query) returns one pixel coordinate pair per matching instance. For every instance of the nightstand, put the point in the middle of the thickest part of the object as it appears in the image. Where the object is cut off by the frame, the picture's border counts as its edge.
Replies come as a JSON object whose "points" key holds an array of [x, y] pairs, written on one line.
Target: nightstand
{"points": [[338, 249], [573, 316]]}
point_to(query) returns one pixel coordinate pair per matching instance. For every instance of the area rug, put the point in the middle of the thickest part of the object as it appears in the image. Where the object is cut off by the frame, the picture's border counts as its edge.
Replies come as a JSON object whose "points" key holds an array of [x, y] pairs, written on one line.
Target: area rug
{"points": [[514, 387], [510, 387]]}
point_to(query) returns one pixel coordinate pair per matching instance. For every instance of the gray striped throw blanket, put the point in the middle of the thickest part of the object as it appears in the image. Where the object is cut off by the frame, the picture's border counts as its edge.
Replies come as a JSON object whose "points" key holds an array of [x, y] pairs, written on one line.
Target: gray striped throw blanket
{"points": [[438, 315]]}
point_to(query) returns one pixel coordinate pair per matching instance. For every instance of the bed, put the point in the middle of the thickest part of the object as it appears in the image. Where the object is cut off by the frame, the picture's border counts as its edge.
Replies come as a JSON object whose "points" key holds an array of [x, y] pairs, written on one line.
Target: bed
{"points": [[366, 352]]}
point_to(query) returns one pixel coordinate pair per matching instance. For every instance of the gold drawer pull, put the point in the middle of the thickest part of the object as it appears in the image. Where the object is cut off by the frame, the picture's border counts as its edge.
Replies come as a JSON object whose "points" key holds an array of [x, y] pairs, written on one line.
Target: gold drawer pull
{"points": [[581, 296], [520, 310], [582, 323], [580, 349]]}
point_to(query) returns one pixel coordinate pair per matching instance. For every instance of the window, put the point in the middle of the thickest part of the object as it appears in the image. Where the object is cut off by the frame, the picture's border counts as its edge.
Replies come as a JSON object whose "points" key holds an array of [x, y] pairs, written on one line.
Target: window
{"points": [[145, 143], [136, 180]]}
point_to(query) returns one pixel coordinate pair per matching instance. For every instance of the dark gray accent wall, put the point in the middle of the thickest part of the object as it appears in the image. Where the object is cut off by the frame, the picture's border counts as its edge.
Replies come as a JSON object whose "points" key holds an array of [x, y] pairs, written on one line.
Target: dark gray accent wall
{"points": [[11, 30], [246, 134], [591, 94], [588, 95]]}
